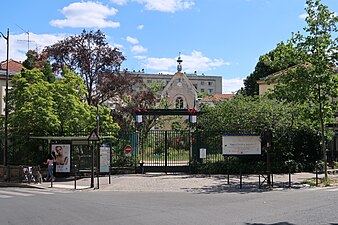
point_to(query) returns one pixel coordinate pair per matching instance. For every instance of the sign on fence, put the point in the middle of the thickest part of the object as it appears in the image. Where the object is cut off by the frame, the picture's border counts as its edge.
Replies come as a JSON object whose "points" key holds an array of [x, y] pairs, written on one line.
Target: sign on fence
{"points": [[241, 144], [203, 153]]}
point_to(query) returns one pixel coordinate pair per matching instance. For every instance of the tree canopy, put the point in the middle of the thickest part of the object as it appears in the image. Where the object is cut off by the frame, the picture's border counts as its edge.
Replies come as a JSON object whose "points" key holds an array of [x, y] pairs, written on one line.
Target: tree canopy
{"points": [[274, 61], [294, 137], [314, 80], [39, 107], [90, 56]]}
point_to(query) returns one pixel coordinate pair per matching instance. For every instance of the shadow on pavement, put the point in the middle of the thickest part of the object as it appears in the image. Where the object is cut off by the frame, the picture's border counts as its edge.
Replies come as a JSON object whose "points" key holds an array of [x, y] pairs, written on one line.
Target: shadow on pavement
{"points": [[279, 223]]}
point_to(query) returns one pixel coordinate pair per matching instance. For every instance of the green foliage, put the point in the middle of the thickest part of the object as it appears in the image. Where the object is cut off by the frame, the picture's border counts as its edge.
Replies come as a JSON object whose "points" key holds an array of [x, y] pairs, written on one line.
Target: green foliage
{"points": [[246, 115], [314, 80], [120, 159], [68, 94], [40, 108], [294, 136], [31, 104], [274, 61], [47, 71]]}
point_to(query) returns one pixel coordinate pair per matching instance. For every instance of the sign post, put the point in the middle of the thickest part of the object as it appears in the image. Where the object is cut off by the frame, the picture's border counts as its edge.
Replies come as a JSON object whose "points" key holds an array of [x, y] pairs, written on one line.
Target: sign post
{"points": [[93, 137]]}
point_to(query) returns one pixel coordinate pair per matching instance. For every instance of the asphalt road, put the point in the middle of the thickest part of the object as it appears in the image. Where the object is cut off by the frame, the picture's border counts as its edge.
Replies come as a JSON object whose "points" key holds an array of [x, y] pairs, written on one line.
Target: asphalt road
{"points": [[282, 207]]}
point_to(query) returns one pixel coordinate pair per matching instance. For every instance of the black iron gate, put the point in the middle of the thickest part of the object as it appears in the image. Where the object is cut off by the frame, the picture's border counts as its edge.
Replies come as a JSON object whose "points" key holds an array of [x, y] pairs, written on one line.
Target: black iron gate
{"points": [[165, 151]]}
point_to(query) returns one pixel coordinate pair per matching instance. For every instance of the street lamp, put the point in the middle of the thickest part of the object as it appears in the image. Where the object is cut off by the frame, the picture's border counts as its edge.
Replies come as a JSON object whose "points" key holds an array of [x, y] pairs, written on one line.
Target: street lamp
{"points": [[6, 99]]}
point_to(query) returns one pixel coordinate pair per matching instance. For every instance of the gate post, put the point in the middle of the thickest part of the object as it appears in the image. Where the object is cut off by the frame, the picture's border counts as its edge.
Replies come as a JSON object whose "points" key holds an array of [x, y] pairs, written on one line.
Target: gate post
{"points": [[166, 151]]}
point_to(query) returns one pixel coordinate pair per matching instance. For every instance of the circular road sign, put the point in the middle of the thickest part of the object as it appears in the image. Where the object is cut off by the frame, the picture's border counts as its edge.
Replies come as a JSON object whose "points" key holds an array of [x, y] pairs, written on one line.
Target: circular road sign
{"points": [[127, 149]]}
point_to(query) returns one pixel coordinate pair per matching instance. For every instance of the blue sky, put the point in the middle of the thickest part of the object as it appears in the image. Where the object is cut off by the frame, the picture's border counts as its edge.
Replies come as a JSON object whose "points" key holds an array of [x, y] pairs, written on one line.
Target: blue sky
{"points": [[215, 37]]}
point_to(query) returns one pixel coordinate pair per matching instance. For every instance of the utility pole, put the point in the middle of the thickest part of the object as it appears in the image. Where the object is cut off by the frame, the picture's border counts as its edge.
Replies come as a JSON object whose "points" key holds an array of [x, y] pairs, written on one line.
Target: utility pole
{"points": [[6, 100]]}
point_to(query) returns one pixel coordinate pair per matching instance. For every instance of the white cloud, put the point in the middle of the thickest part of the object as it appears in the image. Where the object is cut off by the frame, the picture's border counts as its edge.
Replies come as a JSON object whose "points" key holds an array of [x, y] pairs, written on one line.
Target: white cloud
{"points": [[116, 45], [119, 2], [138, 49], [140, 57], [197, 62], [19, 46], [194, 62], [303, 16], [160, 63], [140, 27], [131, 40], [86, 14], [230, 86], [170, 6], [167, 5]]}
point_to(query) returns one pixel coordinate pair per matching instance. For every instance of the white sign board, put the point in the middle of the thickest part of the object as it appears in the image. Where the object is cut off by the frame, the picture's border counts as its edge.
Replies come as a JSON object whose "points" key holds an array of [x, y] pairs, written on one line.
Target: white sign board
{"points": [[203, 153], [241, 145], [104, 158]]}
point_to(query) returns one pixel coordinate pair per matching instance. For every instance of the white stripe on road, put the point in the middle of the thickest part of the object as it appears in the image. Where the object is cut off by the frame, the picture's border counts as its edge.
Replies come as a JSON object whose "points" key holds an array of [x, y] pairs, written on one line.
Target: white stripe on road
{"points": [[15, 193], [5, 196], [35, 192]]}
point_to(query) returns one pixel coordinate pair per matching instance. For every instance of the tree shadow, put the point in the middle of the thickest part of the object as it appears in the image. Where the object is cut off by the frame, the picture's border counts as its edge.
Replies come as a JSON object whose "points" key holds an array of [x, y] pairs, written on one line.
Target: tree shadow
{"points": [[279, 223], [248, 185]]}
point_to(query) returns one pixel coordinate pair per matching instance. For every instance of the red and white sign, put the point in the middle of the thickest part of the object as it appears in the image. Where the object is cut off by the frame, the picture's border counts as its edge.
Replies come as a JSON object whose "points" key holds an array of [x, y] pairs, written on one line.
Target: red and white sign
{"points": [[128, 149]]}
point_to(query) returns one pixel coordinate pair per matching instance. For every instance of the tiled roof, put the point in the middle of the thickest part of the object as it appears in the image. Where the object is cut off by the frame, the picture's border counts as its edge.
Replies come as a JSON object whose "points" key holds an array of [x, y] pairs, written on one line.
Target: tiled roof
{"points": [[218, 97], [14, 66]]}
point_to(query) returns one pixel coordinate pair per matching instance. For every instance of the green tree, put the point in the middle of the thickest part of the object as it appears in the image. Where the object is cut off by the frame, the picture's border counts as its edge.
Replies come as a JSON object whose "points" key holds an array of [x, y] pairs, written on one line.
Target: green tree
{"points": [[41, 108], [68, 94], [90, 56], [293, 137], [35, 60], [32, 57], [274, 61], [314, 80], [32, 105]]}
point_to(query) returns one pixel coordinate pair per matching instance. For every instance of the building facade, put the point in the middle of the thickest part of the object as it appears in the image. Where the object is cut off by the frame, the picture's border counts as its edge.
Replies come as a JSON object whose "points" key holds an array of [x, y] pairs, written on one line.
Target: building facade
{"points": [[14, 67], [182, 89]]}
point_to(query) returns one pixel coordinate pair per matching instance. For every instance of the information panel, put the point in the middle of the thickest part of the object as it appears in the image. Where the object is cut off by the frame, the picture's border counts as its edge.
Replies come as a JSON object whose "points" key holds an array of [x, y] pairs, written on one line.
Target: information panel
{"points": [[104, 158], [241, 144]]}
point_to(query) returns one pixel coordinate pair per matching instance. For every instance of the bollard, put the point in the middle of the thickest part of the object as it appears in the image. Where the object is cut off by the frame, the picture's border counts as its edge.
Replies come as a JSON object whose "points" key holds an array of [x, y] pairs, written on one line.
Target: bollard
{"points": [[75, 176], [271, 179], [240, 179], [316, 174], [289, 177], [109, 180], [259, 181], [51, 180], [141, 165], [228, 171]]}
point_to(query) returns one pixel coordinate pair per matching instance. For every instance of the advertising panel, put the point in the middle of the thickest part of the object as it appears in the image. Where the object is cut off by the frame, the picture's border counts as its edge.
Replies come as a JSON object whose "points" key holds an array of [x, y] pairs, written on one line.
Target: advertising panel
{"points": [[61, 154]]}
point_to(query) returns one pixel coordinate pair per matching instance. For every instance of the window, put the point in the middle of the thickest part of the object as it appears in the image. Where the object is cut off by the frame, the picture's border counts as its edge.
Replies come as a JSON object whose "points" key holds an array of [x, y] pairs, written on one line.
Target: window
{"points": [[149, 81], [210, 91], [210, 83], [202, 82], [179, 103], [202, 90]]}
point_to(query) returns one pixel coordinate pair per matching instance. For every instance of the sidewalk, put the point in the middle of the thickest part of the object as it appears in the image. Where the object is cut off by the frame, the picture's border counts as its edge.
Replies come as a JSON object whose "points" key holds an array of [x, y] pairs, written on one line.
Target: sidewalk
{"points": [[159, 182]]}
